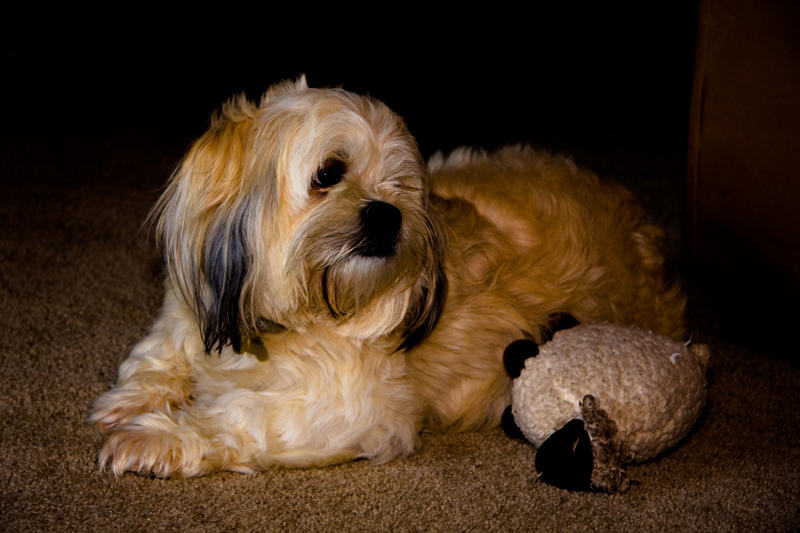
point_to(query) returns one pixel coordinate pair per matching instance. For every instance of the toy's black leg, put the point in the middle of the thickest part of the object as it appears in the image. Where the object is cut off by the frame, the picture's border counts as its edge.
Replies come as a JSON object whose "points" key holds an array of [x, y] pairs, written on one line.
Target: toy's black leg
{"points": [[510, 426]]}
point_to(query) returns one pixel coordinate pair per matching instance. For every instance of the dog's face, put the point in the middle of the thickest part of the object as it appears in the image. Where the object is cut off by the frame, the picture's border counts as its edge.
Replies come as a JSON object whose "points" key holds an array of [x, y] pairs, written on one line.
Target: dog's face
{"points": [[310, 209]]}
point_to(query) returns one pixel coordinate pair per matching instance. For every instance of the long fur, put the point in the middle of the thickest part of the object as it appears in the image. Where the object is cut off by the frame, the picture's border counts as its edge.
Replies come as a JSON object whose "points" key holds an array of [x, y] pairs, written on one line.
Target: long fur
{"points": [[283, 342]]}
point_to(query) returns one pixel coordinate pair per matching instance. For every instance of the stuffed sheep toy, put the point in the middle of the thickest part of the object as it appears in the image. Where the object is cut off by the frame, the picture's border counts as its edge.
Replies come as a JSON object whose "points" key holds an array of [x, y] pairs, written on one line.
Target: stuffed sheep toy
{"points": [[599, 396]]}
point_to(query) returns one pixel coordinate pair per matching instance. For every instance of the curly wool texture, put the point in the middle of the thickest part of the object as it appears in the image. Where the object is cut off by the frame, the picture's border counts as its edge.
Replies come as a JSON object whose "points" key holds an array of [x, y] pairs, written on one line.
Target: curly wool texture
{"points": [[653, 387]]}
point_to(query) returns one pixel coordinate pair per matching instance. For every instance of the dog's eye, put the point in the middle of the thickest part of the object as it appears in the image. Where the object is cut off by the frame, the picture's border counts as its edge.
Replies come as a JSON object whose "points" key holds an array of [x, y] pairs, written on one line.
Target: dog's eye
{"points": [[331, 173]]}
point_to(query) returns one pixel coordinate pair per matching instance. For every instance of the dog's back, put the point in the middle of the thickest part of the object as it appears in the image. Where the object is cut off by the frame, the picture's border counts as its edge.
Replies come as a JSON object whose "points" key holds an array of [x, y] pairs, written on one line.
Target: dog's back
{"points": [[531, 236]]}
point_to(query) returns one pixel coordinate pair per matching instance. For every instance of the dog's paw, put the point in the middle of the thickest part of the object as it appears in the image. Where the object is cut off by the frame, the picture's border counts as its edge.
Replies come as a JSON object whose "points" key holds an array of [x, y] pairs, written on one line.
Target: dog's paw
{"points": [[154, 444], [117, 407]]}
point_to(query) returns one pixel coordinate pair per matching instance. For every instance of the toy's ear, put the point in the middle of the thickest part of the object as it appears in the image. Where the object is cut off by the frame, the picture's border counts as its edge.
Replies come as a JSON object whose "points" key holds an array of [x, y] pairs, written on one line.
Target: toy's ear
{"points": [[518, 351], [516, 354], [560, 322]]}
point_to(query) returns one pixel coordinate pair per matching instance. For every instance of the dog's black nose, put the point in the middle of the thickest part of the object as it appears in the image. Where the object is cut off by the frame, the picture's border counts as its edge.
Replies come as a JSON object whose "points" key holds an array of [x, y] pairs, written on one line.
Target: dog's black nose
{"points": [[380, 229]]}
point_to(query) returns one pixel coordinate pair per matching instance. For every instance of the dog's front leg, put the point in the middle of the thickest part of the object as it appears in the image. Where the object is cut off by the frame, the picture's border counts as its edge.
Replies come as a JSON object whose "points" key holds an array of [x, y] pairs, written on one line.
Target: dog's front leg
{"points": [[155, 376]]}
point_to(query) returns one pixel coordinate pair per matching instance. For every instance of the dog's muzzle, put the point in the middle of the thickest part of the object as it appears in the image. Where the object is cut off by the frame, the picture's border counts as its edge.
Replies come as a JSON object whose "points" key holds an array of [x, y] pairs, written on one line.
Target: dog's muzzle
{"points": [[380, 230]]}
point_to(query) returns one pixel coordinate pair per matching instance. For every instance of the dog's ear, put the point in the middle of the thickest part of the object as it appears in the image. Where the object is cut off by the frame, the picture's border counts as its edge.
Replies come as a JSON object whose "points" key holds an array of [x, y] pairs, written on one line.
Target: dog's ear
{"points": [[203, 224], [431, 290], [226, 264], [425, 316]]}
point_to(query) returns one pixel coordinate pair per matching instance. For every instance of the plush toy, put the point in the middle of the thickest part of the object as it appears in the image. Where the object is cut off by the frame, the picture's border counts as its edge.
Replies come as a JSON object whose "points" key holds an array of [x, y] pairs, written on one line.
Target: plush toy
{"points": [[599, 396]]}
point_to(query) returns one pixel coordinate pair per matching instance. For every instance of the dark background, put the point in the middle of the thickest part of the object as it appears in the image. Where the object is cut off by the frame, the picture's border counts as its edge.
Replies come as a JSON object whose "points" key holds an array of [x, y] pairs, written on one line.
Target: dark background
{"points": [[538, 74]]}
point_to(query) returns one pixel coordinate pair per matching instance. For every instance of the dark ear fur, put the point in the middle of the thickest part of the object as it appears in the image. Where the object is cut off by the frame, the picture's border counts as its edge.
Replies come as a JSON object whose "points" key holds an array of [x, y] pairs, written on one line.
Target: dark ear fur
{"points": [[432, 294], [206, 205], [431, 304], [433, 290], [226, 264]]}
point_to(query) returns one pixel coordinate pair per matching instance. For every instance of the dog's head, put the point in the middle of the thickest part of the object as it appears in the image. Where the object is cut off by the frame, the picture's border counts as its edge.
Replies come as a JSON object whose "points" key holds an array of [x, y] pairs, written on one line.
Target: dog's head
{"points": [[309, 209]]}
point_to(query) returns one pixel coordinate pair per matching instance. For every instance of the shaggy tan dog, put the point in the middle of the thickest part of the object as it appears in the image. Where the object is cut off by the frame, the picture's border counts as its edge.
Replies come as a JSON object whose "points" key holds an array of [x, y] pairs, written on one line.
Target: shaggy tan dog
{"points": [[329, 295]]}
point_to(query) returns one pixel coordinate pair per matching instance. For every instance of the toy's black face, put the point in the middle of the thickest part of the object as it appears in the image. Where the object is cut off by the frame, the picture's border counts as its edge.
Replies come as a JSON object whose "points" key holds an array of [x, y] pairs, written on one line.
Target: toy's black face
{"points": [[565, 459]]}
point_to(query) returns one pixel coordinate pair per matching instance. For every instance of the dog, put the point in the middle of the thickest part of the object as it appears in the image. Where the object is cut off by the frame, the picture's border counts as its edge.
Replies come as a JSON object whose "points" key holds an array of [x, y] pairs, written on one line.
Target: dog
{"points": [[330, 295]]}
